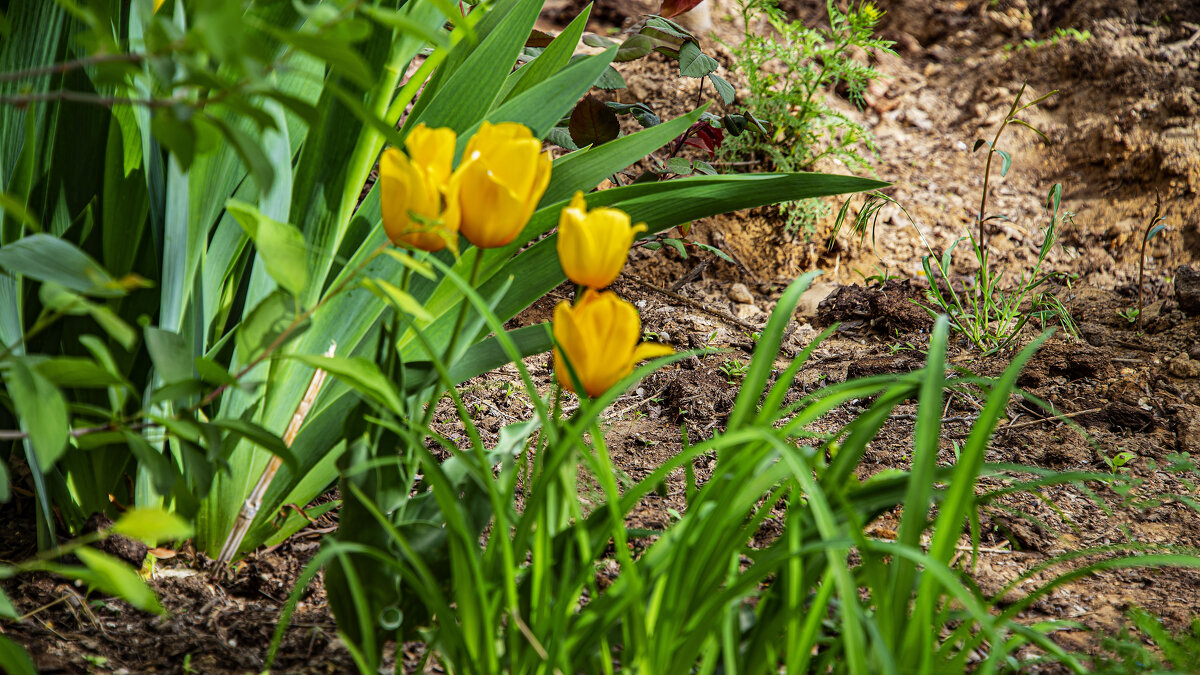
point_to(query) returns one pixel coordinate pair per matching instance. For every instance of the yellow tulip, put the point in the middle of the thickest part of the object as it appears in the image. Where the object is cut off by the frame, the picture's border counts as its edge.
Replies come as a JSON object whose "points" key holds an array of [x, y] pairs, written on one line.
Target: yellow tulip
{"points": [[593, 245], [415, 191], [502, 177], [599, 337]]}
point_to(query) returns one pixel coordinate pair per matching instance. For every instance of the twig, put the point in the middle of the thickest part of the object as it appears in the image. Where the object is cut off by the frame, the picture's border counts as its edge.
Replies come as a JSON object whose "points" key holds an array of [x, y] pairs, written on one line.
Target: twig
{"points": [[83, 97], [620, 413], [1053, 418], [690, 276], [70, 65]]}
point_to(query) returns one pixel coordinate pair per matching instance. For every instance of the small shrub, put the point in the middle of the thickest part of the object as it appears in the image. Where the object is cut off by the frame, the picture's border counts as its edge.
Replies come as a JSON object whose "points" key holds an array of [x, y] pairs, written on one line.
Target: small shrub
{"points": [[787, 72]]}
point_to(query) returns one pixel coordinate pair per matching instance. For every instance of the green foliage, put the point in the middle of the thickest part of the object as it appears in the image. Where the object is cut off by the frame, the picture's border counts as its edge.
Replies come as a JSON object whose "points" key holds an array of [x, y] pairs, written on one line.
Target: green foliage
{"points": [[1059, 35], [787, 71], [436, 550], [1167, 652], [169, 283]]}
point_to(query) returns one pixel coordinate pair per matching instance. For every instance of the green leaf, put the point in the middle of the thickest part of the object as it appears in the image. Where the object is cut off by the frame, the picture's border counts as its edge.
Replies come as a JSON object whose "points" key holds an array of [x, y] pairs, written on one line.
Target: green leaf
{"points": [[41, 409], [641, 112], [360, 374], [561, 136], [15, 208], [266, 322], [58, 299], [724, 89], [249, 150], [550, 61], [74, 371], [1006, 164], [280, 245], [679, 165], [597, 41], [170, 354], [677, 245], [668, 27], [471, 89], [158, 466], [178, 137], [543, 106], [398, 299], [151, 526], [634, 47], [593, 123], [7, 611], [704, 168], [44, 257], [340, 56], [695, 63], [212, 372], [610, 79], [113, 576], [713, 250], [260, 437], [14, 660], [485, 356]]}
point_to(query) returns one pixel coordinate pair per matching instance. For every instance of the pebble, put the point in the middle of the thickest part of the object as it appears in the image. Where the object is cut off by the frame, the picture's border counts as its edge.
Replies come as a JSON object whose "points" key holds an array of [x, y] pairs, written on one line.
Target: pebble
{"points": [[739, 293]]}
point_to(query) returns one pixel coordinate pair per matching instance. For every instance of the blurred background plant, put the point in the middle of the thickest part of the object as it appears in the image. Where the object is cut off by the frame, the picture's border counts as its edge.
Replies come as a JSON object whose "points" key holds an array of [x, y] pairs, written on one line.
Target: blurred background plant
{"points": [[788, 68]]}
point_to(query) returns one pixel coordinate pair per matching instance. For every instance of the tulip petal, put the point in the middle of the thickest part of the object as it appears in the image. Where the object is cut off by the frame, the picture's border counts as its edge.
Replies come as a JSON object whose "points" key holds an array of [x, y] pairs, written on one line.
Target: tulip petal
{"points": [[432, 149], [651, 350], [491, 214]]}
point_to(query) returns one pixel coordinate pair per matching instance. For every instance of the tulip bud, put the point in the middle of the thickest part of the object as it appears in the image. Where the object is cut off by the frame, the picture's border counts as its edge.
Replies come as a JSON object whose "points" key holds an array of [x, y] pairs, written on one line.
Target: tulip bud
{"points": [[593, 245], [599, 337], [416, 193], [502, 178]]}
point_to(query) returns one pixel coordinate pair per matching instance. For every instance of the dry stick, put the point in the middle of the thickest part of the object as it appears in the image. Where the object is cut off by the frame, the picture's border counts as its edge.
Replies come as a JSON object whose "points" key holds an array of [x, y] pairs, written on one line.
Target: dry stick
{"points": [[1054, 418], [724, 316], [250, 509]]}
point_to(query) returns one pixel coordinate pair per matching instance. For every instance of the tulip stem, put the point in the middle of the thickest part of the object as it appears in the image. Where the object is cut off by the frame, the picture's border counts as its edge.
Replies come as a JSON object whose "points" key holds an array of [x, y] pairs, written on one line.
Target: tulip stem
{"points": [[458, 325]]}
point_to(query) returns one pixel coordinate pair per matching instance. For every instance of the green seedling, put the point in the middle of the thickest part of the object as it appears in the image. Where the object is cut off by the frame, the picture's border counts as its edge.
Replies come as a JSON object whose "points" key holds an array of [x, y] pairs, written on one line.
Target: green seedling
{"points": [[1153, 228]]}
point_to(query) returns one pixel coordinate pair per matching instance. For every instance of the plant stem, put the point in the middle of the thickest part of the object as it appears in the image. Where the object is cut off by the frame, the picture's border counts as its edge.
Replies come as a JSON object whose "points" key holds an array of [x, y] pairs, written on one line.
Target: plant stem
{"points": [[458, 324], [987, 169], [66, 66]]}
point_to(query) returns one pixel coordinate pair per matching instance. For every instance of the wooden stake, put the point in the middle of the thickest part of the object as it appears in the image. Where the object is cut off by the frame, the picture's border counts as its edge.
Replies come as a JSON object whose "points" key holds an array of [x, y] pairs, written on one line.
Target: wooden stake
{"points": [[250, 509]]}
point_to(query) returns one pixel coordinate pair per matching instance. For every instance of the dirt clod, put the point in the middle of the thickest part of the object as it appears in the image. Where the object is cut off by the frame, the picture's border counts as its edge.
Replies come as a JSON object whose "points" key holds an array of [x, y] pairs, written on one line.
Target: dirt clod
{"points": [[1187, 289]]}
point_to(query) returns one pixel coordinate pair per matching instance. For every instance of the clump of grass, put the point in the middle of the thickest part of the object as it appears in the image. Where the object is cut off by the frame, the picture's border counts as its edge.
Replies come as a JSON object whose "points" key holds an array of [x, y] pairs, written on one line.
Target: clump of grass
{"points": [[986, 310]]}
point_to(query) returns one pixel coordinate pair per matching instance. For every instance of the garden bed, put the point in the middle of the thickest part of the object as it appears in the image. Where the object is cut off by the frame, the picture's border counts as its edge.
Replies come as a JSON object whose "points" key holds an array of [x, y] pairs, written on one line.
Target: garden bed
{"points": [[1123, 129]]}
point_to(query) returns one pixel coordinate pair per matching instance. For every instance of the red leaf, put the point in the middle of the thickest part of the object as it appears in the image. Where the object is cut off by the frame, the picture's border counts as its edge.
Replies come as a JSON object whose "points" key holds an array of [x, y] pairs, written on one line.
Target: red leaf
{"points": [[672, 8], [706, 137]]}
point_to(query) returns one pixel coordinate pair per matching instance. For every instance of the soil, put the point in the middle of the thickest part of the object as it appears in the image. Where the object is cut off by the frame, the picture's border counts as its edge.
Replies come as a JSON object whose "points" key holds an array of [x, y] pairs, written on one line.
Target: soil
{"points": [[1123, 131]]}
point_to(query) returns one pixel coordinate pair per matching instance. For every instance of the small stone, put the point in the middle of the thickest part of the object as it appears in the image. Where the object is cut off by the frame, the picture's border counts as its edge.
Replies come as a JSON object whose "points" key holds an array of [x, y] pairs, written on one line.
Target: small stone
{"points": [[739, 293], [1184, 367], [1194, 352], [1187, 289]]}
